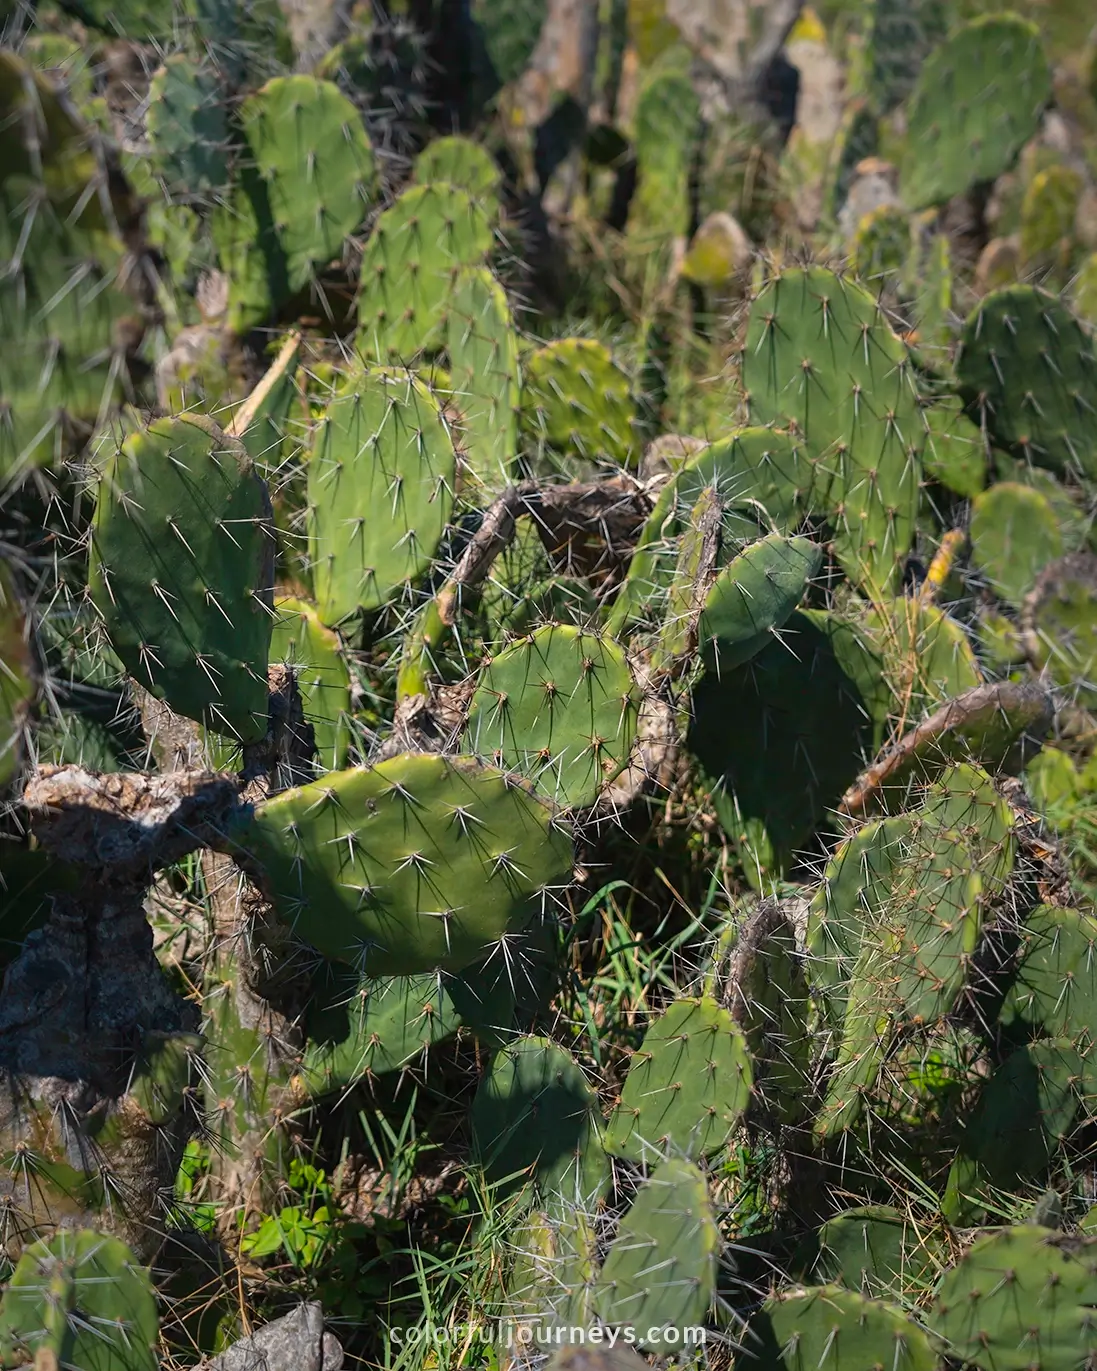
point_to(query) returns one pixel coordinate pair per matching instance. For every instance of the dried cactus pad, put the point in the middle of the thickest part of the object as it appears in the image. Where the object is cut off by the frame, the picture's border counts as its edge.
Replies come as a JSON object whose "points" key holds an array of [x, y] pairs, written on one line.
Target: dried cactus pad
{"points": [[181, 569], [418, 863]]}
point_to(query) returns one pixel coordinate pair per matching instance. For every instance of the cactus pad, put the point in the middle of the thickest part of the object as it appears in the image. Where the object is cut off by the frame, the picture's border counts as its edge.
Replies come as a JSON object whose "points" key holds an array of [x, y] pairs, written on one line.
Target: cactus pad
{"points": [[826, 1328], [360, 1027], [660, 1272], [560, 707], [462, 163], [753, 597], [875, 1250], [415, 251], [79, 1300], [485, 384], [688, 1086], [803, 715], [300, 640], [181, 570], [820, 355], [380, 490], [420, 862], [1027, 369], [535, 1115], [1054, 991], [978, 99], [577, 406], [1021, 1297], [1060, 624], [954, 453], [315, 157], [186, 127]]}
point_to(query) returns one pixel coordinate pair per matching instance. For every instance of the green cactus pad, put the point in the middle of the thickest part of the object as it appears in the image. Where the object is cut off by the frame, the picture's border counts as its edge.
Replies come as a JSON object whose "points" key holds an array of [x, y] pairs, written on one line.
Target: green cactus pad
{"points": [[79, 1300], [1025, 1110], [1054, 990], [660, 1272], [912, 967], [1014, 535], [1047, 216], [69, 326], [666, 123], [687, 1088], [753, 597], [881, 245], [826, 1328], [1060, 625], [1021, 1297], [560, 707], [902, 35], [877, 1250], [549, 1284], [415, 251], [927, 656], [577, 405], [955, 453], [300, 640], [484, 378], [315, 157], [859, 877], [360, 1027], [1027, 369], [802, 711], [187, 128], [534, 1115], [978, 99], [510, 32], [181, 568], [17, 679], [759, 475], [417, 863], [462, 163], [380, 489], [820, 355]]}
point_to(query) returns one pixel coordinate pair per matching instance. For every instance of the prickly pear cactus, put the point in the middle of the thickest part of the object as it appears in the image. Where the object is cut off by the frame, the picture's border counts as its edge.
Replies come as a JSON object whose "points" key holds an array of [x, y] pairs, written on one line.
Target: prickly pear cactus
{"points": [[816, 347], [380, 490], [181, 571], [978, 99], [1028, 372], [577, 406], [660, 1271], [417, 248], [1010, 1283], [829, 1326], [316, 162], [484, 377], [417, 863], [688, 1086], [79, 1300], [560, 707], [535, 1115]]}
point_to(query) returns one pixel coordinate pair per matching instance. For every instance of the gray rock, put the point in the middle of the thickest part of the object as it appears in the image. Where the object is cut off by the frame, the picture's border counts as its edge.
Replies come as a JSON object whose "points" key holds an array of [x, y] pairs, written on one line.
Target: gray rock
{"points": [[296, 1342]]}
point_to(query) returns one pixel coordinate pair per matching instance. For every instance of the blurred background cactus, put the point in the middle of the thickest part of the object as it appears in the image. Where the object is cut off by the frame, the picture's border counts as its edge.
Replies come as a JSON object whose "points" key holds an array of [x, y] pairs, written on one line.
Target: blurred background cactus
{"points": [[548, 685]]}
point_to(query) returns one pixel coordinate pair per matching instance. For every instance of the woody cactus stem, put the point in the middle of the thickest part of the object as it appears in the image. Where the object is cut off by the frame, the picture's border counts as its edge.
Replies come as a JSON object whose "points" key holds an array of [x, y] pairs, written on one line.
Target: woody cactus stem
{"points": [[95, 1048]]}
